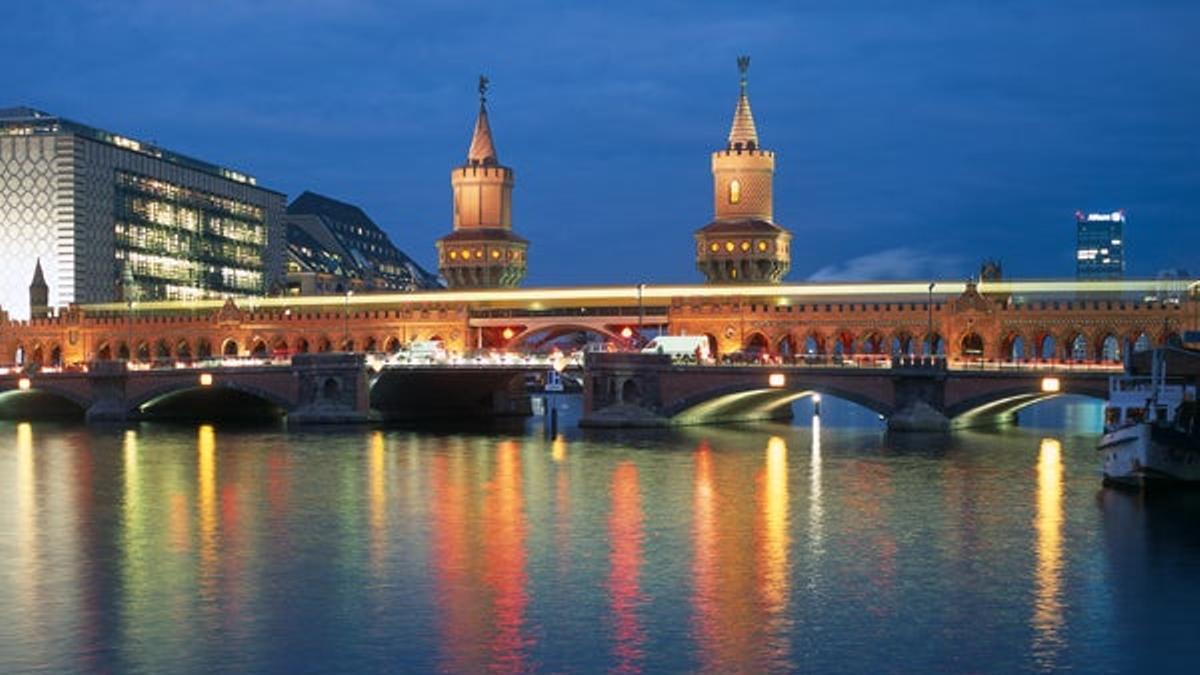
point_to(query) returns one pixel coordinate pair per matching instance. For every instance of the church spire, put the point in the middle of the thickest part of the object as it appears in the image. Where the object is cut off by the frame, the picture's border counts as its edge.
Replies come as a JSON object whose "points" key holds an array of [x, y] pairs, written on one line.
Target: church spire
{"points": [[743, 134], [482, 151]]}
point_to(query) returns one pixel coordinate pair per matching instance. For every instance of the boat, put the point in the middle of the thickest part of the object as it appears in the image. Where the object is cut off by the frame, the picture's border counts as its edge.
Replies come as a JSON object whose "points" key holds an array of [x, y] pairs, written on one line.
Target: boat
{"points": [[1151, 431]]}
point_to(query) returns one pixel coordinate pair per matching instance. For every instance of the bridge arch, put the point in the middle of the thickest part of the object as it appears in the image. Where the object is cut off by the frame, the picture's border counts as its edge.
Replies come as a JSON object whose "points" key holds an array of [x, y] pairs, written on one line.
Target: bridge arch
{"points": [[41, 399], [163, 394], [183, 350], [1007, 400], [749, 400], [229, 347], [536, 336]]}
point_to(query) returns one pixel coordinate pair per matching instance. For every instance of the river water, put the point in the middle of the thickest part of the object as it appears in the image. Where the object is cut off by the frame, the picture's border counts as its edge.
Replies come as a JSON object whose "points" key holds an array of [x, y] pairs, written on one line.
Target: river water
{"points": [[823, 546]]}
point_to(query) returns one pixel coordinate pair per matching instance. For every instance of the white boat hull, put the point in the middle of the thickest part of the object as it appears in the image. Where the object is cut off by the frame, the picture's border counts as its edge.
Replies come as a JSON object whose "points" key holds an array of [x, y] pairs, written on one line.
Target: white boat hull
{"points": [[1136, 455]]}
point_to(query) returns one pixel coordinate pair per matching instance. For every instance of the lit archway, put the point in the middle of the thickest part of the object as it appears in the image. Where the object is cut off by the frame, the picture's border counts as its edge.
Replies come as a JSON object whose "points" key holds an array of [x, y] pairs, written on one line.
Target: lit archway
{"points": [[1079, 348], [392, 345], [204, 349], [1110, 349], [229, 347], [1142, 342], [972, 345], [1048, 347], [183, 351]]}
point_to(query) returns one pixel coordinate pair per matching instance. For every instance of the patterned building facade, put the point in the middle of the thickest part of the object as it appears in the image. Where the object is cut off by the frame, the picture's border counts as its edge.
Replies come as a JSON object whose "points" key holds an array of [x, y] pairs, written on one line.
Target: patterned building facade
{"points": [[112, 218]]}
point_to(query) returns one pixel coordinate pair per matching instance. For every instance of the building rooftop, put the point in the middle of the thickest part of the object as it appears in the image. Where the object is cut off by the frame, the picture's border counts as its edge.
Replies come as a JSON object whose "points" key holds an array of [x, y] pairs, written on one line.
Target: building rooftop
{"points": [[26, 121], [348, 234]]}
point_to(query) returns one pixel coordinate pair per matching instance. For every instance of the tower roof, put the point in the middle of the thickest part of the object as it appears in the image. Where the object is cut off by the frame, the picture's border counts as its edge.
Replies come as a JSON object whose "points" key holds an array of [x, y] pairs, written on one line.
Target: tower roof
{"points": [[483, 150], [39, 279], [742, 133]]}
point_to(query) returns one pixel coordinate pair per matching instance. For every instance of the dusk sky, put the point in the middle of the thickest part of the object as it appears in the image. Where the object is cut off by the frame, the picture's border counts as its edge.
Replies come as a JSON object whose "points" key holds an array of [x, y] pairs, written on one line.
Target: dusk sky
{"points": [[913, 138]]}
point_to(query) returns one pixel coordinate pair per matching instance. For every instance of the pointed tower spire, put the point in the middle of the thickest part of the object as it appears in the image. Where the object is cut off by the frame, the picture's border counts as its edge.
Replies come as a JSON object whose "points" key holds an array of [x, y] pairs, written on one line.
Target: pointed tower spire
{"points": [[39, 293], [482, 151], [743, 134], [39, 279]]}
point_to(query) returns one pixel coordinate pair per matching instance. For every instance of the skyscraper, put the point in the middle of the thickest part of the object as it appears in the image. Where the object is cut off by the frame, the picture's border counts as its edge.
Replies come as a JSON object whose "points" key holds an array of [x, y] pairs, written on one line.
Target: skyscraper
{"points": [[113, 218], [1100, 245]]}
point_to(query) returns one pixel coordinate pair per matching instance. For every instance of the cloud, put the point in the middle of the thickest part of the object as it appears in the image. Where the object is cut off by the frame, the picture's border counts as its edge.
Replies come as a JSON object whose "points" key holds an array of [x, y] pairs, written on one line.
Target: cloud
{"points": [[894, 263]]}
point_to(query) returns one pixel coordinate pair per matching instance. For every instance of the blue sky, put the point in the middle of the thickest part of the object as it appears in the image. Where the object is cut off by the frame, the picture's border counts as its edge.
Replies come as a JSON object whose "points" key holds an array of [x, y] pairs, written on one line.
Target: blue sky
{"points": [[913, 138]]}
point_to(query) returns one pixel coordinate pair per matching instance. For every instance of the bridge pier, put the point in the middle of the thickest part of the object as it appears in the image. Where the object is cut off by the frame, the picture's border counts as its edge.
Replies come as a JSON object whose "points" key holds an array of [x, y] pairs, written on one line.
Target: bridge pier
{"points": [[331, 388], [107, 380], [919, 393]]}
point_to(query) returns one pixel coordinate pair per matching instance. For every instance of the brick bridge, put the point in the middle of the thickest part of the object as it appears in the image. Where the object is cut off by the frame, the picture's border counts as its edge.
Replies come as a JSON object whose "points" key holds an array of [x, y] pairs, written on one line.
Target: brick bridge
{"points": [[634, 390], [999, 321], [309, 389]]}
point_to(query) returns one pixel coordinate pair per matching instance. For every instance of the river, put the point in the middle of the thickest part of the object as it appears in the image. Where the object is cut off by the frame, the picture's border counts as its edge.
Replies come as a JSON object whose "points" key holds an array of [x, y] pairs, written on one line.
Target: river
{"points": [[826, 545]]}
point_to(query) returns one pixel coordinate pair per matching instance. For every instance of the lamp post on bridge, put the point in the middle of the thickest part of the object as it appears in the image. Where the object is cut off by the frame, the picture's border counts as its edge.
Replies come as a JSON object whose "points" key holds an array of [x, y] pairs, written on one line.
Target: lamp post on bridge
{"points": [[641, 288], [929, 331], [346, 319]]}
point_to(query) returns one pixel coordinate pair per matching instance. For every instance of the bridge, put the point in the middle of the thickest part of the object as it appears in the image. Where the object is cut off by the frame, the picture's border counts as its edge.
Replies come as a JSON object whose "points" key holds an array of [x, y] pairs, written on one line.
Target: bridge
{"points": [[1023, 330], [1011, 321], [330, 388], [913, 394]]}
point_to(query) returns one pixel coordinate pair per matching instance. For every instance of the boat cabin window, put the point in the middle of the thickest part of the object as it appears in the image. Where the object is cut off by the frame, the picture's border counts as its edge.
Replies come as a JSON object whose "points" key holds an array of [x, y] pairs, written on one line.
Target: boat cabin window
{"points": [[1160, 413], [1135, 415], [1112, 416]]}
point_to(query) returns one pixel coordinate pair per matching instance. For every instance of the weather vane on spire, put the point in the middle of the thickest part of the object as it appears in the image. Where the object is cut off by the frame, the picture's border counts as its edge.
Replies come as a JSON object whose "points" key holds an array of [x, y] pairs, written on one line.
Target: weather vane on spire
{"points": [[743, 65], [483, 85]]}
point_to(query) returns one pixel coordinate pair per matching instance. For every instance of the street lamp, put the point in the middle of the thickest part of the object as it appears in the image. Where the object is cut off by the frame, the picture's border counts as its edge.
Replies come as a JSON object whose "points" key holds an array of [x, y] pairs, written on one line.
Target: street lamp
{"points": [[641, 288], [346, 320], [929, 331]]}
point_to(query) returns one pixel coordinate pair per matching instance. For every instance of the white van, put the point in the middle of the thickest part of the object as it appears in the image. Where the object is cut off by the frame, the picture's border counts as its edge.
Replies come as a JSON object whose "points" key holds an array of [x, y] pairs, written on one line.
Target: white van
{"points": [[680, 347], [427, 351]]}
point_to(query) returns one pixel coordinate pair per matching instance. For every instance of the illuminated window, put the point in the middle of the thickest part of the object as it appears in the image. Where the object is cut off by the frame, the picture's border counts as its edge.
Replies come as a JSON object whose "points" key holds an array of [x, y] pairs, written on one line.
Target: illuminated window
{"points": [[729, 246], [745, 246], [495, 254], [762, 245], [735, 191], [478, 253], [733, 273], [454, 255], [714, 247]]}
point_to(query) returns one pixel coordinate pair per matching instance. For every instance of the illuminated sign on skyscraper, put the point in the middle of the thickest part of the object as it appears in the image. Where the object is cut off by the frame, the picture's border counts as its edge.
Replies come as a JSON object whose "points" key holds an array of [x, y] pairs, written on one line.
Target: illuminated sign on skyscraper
{"points": [[1100, 245]]}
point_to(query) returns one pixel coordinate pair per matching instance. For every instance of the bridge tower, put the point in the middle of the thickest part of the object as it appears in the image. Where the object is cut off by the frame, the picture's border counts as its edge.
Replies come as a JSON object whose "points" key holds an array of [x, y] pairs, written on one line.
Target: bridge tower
{"points": [[482, 251], [39, 294], [743, 244]]}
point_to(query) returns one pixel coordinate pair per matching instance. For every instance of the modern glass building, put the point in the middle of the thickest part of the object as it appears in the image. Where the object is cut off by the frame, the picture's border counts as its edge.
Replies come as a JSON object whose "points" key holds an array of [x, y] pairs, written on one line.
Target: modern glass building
{"points": [[112, 219], [335, 247], [1100, 245]]}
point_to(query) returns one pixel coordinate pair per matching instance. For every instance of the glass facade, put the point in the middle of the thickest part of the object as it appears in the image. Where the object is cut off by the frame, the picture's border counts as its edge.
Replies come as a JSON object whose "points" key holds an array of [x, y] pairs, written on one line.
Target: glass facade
{"points": [[177, 243], [1100, 245]]}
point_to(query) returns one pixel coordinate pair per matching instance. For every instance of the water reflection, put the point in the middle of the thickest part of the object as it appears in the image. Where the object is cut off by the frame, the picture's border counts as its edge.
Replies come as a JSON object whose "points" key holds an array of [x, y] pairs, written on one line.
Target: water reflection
{"points": [[1048, 607], [625, 530], [756, 549], [775, 580], [740, 566], [480, 560]]}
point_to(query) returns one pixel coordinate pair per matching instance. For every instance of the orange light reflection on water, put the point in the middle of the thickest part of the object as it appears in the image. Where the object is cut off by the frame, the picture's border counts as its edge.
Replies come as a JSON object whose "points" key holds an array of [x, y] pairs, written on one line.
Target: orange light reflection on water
{"points": [[1048, 604], [625, 558]]}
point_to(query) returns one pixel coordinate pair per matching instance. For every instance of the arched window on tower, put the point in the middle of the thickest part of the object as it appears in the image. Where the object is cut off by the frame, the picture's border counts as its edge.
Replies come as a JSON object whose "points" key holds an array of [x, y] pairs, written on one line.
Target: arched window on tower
{"points": [[735, 191]]}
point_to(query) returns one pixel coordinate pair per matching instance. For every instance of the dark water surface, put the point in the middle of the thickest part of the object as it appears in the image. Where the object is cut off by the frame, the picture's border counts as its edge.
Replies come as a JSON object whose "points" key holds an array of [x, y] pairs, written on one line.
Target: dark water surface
{"points": [[831, 548]]}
